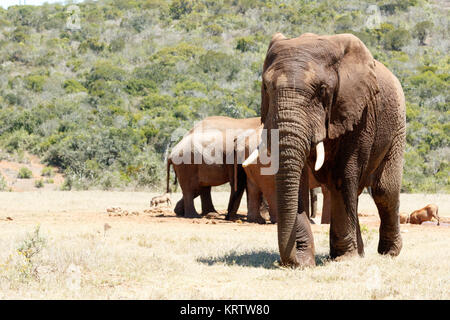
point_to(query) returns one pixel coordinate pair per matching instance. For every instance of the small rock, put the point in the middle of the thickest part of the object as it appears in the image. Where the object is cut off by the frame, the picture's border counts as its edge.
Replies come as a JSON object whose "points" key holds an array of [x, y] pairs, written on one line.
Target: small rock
{"points": [[9, 218]]}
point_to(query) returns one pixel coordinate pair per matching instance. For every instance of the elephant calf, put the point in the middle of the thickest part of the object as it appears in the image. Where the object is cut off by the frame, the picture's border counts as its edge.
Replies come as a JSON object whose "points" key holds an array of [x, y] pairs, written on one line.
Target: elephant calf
{"points": [[425, 214]]}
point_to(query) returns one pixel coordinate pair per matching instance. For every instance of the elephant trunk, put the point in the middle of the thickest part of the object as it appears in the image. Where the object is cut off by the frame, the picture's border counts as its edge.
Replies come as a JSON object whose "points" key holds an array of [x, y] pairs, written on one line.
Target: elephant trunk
{"points": [[295, 239]]}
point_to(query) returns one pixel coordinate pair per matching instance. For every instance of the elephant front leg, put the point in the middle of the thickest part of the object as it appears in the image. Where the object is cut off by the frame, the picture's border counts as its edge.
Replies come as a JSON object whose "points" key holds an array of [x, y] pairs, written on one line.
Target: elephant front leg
{"points": [[254, 200], [345, 233]]}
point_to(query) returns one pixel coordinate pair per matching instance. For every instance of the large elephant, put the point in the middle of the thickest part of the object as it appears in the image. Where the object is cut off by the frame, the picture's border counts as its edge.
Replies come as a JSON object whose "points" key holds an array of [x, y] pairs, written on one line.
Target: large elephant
{"points": [[260, 185], [341, 112], [197, 177]]}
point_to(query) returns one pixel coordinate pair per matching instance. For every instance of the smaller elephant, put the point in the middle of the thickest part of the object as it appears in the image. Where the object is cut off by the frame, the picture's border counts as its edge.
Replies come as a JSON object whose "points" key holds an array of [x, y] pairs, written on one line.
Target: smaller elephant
{"points": [[425, 214], [157, 200]]}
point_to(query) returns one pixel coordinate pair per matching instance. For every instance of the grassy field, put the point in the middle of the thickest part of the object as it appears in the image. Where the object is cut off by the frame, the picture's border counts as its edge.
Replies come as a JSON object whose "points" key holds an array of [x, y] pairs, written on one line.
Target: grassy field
{"points": [[64, 245]]}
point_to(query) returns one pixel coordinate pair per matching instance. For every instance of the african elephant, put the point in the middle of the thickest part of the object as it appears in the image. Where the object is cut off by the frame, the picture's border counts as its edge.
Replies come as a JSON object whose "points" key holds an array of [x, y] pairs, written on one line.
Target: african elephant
{"points": [[425, 214], [259, 185], [197, 177], [341, 112]]}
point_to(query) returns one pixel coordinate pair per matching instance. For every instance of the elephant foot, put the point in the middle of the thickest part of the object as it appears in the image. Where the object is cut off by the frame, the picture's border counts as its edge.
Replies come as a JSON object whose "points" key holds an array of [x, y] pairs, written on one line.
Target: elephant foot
{"points": [[192, 215], [179, 208], [231, 217], [389, 246], [346, 256], [342, 252], [303, 259], [259, 220], [205, 212]]}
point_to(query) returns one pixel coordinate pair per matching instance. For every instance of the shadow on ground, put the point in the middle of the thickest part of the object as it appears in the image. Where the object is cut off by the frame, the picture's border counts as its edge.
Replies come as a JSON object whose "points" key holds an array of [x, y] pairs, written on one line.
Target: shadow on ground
{"points": [[257, 259]]}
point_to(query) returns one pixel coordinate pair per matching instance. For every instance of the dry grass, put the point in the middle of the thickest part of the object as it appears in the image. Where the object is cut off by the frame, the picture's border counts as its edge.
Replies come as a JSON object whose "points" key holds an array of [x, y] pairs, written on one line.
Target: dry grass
{"points": [[147, 257]]}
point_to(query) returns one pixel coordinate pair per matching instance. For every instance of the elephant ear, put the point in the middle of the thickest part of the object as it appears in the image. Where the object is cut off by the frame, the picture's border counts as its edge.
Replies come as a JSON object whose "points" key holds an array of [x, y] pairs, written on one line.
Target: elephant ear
{"points": [[358, 86], [264, 96], [264, 104]]}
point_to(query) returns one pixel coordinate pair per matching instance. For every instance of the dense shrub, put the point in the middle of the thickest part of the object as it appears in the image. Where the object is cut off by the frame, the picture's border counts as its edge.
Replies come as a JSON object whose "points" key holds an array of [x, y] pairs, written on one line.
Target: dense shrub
{"points": [[24, 173], [101, 102]]}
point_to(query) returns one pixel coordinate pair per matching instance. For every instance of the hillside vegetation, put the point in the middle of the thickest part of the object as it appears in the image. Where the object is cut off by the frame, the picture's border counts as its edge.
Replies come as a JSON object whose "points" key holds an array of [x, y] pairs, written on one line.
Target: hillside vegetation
{"points": [[98, 89]]}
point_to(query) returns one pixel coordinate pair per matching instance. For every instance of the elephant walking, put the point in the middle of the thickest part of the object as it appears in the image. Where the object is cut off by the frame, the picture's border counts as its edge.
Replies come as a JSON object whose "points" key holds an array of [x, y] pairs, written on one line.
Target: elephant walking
{"points": [[341, 112], [204, 169]]}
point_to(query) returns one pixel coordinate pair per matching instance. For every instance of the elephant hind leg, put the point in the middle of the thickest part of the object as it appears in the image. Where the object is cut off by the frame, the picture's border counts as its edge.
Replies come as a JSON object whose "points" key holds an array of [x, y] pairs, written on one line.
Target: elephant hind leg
{"points": [[236, 195], [386, 194], [179, 208], [207, 205], [189, 208], [326, 206]]}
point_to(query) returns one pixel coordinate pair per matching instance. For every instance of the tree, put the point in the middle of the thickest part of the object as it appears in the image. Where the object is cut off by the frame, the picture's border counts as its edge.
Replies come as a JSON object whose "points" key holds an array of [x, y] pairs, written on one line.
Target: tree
{"points": [[421, 30]]}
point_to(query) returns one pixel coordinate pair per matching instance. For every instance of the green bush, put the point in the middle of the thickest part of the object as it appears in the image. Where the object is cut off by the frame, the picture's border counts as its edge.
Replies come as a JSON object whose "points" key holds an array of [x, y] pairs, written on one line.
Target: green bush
{"points": [[47, 172], [3, 183], [35, 82], [39, 183], [178, 8], [25, 173], [73, 86], [396, 39], [246, 44]]}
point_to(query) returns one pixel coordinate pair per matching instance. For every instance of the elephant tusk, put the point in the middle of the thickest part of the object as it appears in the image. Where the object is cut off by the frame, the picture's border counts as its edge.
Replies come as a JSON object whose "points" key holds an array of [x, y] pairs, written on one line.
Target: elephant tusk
{"points": [[320, 156], [251, 158]]}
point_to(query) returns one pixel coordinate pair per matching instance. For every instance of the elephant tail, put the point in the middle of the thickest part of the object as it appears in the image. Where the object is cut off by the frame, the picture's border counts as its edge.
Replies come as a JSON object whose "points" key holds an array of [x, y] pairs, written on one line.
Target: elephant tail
{"points": [[235, 169], [168, 175], [437, 216]]}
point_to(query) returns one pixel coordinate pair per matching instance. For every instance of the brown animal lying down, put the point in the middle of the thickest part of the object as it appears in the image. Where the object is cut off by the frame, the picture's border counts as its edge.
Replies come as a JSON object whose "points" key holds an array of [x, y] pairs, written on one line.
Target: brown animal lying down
{"points": [[425, 214], [404, 217], [156, 201]]}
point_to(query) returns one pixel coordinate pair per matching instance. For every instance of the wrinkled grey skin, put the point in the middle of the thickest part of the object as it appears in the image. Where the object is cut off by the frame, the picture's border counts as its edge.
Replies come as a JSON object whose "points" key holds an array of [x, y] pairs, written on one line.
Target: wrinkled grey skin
{"points": [[330, 89]]}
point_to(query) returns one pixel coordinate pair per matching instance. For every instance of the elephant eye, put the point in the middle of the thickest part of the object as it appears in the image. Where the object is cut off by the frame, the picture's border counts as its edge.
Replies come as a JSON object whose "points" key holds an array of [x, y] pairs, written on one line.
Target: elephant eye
{"points": [[322, 90]]}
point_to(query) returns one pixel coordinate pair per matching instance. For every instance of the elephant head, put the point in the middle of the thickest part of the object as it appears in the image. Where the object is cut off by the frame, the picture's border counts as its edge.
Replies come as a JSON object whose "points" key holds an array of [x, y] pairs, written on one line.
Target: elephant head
{"points": [[314, 88]]}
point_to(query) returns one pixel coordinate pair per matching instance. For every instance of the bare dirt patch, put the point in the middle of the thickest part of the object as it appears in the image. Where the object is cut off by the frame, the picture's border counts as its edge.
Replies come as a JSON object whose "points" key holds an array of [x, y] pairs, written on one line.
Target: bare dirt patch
{"points": [[91, 253], [10, 169]]}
